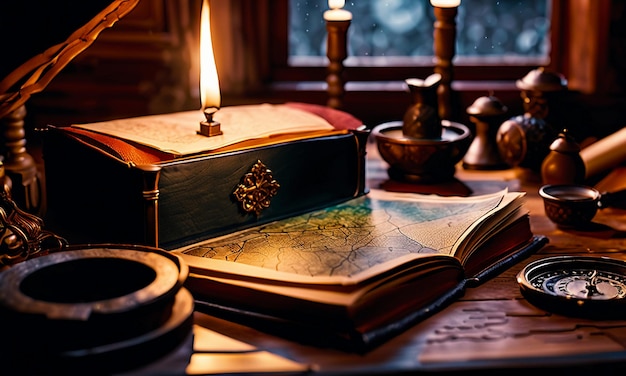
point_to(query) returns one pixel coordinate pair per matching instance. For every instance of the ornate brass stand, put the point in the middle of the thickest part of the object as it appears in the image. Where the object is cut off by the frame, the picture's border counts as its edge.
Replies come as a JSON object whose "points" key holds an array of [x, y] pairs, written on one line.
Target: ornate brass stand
{"points": [[21, 233]]}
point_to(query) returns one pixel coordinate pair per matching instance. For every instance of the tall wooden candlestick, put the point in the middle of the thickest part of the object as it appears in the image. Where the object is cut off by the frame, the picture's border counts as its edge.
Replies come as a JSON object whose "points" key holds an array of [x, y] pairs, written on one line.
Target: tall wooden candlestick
{"points": [[337, 24], [337, 51], [444, 47]]}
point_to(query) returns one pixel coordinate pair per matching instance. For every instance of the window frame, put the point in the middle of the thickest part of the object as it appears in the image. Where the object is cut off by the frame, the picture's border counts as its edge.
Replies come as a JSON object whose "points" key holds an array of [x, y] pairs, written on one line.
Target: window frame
{"points": [[464, 70], [577, 27]]}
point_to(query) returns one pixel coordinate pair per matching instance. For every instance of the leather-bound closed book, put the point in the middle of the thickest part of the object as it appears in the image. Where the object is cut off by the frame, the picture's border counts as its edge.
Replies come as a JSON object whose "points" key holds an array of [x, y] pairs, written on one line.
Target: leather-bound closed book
{"points": [[103, 187]]}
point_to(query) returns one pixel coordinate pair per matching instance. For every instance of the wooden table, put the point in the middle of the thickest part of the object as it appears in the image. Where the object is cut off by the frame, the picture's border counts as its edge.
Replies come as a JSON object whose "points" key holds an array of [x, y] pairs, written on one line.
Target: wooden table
{"points": [[491, 328]]}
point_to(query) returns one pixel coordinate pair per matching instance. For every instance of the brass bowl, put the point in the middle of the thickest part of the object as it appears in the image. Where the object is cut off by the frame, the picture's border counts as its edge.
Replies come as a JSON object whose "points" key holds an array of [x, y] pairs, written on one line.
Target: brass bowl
{"points": [[570, 205], [422, 160]]}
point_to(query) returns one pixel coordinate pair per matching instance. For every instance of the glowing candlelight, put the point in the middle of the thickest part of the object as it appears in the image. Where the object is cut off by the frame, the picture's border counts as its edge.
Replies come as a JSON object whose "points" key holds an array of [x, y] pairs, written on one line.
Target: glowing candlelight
{"points": [[445, 3], [209, 82], [336, 13]]}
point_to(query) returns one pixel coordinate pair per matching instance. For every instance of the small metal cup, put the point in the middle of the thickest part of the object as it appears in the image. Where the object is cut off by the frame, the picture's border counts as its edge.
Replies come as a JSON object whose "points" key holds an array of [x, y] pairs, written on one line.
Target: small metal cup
{"points": [[570, 205]]}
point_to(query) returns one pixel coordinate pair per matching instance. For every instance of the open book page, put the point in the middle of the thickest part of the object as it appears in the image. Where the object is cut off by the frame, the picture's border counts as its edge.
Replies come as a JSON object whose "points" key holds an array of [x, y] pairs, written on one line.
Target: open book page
{"points": [[346, 243], [176, 133], [481, 231], [417, 268]]}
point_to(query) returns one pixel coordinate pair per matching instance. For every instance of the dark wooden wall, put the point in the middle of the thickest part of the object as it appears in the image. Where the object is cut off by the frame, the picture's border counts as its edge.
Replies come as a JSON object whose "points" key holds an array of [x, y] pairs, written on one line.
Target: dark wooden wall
{"points": [[142, 65], [145, 65]]}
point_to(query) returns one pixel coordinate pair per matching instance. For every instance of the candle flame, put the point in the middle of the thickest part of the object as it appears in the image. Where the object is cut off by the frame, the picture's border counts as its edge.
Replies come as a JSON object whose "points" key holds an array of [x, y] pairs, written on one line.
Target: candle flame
{"points": [[209, 82], [336, 4]]}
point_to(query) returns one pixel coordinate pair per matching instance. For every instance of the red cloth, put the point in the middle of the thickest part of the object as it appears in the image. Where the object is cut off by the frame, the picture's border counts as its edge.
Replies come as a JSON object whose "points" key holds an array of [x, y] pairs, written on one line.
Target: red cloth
{"points": [[337, 118]]}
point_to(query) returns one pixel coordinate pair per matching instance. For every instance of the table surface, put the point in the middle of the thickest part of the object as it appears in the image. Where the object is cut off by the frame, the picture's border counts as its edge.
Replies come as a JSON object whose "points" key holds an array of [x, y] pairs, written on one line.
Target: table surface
{"points": [[492, 327]]}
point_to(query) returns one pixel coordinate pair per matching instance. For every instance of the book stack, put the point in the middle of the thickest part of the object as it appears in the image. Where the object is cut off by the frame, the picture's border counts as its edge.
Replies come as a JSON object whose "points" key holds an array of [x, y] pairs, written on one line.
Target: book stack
{"points": [[322, 259]]}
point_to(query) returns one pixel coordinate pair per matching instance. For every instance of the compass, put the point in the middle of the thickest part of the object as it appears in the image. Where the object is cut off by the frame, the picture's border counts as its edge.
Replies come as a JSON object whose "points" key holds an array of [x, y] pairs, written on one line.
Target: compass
{"points": [[582, 286]]}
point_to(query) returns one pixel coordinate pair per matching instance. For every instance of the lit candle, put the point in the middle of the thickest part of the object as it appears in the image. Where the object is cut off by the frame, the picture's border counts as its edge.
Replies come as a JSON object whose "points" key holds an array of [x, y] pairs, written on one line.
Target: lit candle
{"points": [[445, 3], [209, 82], [336, 13]]}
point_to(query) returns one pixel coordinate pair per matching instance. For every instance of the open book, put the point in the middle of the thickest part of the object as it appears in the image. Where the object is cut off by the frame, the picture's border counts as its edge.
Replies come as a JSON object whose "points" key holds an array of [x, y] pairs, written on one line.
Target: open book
{"points": [[243, 127], [358, 272]]}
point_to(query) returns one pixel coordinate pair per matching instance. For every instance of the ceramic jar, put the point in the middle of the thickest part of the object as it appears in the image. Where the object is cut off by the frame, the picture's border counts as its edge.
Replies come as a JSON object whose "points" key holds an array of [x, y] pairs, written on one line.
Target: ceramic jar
{"points": [[563, 165]]}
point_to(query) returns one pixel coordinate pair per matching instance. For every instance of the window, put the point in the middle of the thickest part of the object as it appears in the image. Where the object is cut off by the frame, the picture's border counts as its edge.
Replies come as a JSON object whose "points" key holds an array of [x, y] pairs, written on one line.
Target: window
{"points": [[572, 42], [370, 58], [402, 30]]}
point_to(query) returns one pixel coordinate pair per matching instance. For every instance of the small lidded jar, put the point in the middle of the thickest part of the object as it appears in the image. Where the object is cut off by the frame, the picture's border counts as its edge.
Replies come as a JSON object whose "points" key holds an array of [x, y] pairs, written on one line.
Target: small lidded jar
{"points": [[563, 164], [524, 140]]}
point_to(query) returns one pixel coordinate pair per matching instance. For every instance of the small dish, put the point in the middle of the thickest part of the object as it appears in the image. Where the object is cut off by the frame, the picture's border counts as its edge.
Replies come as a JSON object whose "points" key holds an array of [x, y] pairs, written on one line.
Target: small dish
{"points": [[570, 205], [422, 160]]}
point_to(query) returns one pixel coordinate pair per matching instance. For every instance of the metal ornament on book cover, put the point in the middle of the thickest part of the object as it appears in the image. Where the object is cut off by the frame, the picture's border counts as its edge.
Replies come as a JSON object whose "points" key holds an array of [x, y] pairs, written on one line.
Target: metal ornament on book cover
{"points": [[256, 189]]}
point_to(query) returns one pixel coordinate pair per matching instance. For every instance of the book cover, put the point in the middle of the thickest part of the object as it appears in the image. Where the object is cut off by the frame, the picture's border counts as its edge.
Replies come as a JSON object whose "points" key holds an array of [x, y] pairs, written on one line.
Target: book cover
{"points": [[362, 270], [148, 196]]}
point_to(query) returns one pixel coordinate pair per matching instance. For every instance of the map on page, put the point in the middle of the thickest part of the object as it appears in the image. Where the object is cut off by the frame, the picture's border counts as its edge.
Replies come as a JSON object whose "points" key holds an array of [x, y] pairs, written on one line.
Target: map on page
{"points": [[348, 238]]}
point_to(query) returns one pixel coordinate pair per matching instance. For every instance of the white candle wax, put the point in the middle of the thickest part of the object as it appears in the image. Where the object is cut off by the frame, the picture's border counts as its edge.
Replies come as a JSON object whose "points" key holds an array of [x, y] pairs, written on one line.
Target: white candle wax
{"points": [[337, 15], [445, 3]]}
